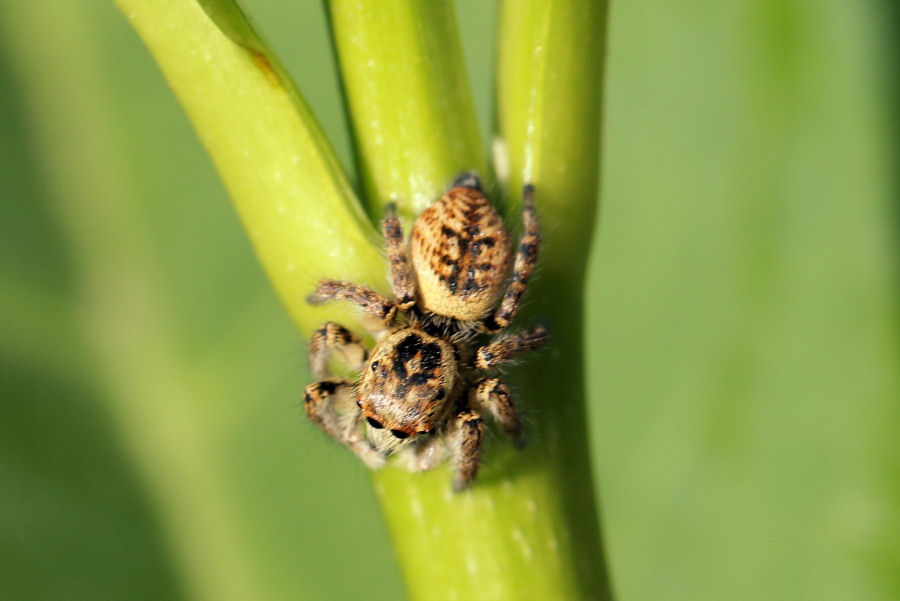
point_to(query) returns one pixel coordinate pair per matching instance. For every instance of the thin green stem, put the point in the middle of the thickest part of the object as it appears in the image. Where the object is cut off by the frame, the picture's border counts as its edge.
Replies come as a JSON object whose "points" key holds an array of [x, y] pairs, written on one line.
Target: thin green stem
{"points": [[408, 97]]}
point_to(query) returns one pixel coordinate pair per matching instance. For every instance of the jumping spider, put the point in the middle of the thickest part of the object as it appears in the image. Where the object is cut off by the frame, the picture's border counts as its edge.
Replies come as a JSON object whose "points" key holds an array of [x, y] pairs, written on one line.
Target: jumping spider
{"points": [[423, 387]]}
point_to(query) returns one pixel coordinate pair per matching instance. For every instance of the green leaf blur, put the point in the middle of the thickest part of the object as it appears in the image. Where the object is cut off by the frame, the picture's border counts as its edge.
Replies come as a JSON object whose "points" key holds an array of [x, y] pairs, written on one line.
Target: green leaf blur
{"points": [[742, 337]]}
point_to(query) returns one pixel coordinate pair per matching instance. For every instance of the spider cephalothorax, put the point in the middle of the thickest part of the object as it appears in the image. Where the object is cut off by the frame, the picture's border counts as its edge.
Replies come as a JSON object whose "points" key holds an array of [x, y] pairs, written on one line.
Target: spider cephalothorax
{"points": [[425, 384]]}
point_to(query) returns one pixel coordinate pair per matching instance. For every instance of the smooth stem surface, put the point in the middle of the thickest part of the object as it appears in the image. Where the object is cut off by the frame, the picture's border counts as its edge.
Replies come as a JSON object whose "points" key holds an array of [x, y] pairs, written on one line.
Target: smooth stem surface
{"points": [[287, 186], [549, 104], [528, 528], [408, 97]]}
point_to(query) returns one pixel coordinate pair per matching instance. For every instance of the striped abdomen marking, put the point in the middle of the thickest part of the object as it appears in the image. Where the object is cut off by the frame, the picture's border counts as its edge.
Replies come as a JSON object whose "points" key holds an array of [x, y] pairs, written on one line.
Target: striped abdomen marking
{"points": [[461, 255]]}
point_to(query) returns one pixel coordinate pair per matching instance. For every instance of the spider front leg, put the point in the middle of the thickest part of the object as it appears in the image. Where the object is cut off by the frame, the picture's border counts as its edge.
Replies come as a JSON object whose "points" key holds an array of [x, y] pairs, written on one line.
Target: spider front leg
{"points": [[401, 281], [498, 352], [373, 305], [468, 436], [526, 257], [492, 395], [331, 405], [335, 338], [468, 179]]}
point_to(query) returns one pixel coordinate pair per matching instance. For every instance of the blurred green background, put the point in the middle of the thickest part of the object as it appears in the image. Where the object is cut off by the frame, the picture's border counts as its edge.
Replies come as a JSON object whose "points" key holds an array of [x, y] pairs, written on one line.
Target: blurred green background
{"points": [[742, 348]]}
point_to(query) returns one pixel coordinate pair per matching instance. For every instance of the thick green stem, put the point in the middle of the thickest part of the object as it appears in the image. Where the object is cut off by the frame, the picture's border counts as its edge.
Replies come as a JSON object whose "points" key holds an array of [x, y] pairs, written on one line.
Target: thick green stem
{"points": [[528, 528], [549, 100]]}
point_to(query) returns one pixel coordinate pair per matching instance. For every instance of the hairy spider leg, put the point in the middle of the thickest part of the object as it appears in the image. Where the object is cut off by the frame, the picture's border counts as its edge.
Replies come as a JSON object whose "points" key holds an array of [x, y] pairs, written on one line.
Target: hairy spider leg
{"points": [[500, 351], [372, 304], [401, 281], [469, 434], [526, 256], [492, 395], [467, 179], [330, 404], [333, 338]]}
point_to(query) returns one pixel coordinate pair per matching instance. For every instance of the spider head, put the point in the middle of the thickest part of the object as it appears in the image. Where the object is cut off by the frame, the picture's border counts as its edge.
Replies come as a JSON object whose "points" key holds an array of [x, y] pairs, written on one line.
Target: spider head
{"points": [[407, 384]]}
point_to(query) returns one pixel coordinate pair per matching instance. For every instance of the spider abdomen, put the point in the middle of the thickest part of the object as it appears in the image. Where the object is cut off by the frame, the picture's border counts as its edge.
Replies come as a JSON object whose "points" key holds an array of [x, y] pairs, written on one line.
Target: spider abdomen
{"points": [[460, 255]]}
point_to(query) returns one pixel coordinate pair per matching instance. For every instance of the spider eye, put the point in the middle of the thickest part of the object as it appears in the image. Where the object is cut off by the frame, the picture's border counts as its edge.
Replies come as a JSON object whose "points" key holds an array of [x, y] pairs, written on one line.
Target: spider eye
{"points": [[440, 394], [374, 423], [374, 365], [400, 434]]}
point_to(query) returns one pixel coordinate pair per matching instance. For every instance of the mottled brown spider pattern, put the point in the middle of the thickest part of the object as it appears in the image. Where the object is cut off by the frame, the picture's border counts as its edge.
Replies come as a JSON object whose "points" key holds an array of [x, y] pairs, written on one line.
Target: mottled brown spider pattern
{"points": [[423, 389]]}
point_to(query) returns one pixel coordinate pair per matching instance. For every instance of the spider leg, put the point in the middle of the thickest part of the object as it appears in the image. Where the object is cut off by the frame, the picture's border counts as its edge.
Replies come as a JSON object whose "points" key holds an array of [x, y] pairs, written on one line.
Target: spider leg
{"points": [[335, 338], [331, 406], [467, 179], [401, 281], [428, 455], [372, 304], [526, 257], [492, 395], [469, 434], [497, 352]]}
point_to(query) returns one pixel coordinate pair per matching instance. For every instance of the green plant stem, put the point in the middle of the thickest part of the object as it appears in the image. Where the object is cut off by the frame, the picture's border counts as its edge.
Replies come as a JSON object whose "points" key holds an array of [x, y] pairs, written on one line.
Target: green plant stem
{"points": [[281, 174], [528, 529], [408, 97], [549, 104], [549, 100]]}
